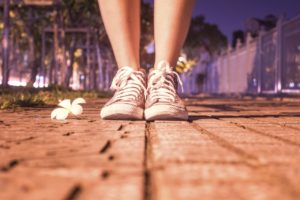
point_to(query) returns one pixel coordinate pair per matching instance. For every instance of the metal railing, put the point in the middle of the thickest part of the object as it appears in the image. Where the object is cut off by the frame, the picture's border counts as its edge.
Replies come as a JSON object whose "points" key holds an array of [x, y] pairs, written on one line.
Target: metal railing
{"points": [[269, 63]]}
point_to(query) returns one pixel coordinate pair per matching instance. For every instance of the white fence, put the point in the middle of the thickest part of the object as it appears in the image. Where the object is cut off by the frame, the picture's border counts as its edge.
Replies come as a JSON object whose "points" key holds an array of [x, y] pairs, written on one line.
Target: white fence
{"points": [[269, 63]]}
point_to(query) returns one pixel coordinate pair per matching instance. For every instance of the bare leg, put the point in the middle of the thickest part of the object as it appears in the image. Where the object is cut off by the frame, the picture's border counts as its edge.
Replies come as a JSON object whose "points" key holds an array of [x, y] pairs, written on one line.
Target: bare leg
{"points": [[122, 23], [171, 23]]}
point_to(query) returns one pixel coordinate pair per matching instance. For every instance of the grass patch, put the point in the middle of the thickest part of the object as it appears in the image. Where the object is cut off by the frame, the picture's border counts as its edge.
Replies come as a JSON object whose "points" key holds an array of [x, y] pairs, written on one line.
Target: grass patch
{"points": [[14, 97]]}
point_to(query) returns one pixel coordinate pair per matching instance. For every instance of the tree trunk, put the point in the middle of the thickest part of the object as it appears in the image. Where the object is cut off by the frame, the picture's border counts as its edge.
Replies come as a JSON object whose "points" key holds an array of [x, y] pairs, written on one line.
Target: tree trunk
{"points": [[100, 68], [43, 67], [62, 42], [55, 52], [5, 44], [34, 70], [87, 69], [94, 75], [32, 61], [69, 70], [51, 82], [33, 52]]}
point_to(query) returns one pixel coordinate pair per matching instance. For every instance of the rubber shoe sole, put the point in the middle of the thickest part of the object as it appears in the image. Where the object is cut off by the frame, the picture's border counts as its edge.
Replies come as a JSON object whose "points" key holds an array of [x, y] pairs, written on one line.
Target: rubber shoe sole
{"points": [[122, 112], [165, 112]]}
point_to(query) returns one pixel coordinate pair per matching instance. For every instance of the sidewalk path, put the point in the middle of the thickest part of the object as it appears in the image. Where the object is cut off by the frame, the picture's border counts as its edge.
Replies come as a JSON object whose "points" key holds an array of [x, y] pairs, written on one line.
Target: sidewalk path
{"points": [[240, 148]]}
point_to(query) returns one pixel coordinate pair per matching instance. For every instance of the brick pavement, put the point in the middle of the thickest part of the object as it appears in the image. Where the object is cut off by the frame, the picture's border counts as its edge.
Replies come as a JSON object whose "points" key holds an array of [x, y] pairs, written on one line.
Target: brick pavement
{"points": [[231, 148]]}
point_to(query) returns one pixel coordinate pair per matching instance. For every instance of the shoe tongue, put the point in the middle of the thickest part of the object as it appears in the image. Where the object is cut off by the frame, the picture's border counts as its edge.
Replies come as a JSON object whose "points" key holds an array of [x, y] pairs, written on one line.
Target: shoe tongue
{"points": [[128, 80]]}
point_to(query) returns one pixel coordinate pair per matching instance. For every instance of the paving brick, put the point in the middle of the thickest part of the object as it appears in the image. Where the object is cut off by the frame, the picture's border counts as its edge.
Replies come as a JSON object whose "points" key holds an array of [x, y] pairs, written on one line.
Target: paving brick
{"points": [[232, 148], [212, 181], [82, 158], [181, 143]]}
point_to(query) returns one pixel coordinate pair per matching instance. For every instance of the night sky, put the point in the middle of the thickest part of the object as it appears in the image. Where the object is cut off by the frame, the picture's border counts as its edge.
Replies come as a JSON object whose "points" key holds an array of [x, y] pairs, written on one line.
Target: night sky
{"points": [[229, 15]]}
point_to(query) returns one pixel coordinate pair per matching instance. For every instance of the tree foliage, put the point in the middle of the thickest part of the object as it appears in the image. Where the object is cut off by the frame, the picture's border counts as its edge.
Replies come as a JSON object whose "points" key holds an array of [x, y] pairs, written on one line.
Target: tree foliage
{"points": [[204, 34], [28, 23]]}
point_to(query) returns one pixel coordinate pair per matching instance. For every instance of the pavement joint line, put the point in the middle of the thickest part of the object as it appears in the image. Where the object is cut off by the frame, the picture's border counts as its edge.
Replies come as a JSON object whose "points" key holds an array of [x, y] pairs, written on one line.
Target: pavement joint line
{"points": [[287, 141], [105, 174], [121, 127], [274, 123], [10, 165], [251, 161], [105, 147], [74, 192], [147, 172]]}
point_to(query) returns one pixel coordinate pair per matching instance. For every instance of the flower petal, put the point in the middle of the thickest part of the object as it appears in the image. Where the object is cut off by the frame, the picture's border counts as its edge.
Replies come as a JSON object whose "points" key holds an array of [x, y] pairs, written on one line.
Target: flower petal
{"points": [[78, 101], [76, 109], [59, 113], [65, 104]]}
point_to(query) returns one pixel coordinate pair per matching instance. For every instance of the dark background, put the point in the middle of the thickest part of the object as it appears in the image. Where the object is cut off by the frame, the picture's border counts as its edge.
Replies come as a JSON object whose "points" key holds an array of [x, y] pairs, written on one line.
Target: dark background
{"points": [[229, 15]]}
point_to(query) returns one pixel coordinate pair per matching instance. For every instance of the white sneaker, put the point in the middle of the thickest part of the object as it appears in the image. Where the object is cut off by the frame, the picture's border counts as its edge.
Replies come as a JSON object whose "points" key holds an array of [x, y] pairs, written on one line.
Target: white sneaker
{"points": [[163, 102], [129, 99]]}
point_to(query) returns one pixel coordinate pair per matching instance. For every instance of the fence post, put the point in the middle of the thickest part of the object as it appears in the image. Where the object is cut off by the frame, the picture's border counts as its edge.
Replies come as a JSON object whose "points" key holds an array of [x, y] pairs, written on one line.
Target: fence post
{"points": [[259, 64], [248, 62], [5, 44], [228, 64], [278, 55], [238, 67]]}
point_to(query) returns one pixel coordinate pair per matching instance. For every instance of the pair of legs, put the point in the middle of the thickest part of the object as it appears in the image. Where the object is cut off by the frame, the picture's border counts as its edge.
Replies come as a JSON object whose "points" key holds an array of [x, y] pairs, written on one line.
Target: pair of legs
{"points": [[136, 96], [122, 22]]}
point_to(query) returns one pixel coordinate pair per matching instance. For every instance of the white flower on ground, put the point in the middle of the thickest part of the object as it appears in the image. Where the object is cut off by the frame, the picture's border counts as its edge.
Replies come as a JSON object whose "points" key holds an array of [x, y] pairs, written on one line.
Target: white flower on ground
{"points": [[67, 107]]}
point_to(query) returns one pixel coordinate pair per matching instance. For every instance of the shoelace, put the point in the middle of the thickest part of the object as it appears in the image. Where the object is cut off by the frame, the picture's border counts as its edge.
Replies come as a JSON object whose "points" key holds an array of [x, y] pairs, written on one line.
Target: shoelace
{"points": [[159, 86], [127, 84]]}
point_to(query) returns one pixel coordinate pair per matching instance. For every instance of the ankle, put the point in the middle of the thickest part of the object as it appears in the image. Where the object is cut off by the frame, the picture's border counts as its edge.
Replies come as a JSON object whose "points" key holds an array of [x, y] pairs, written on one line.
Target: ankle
{"points": [[134, 68], [164, 62], [163, 65]]}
